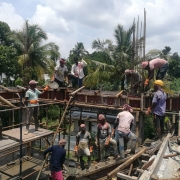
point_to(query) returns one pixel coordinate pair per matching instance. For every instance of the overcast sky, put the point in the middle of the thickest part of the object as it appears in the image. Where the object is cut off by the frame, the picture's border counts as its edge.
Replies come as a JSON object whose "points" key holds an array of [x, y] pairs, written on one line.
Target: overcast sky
{"points": [[70, 21]]}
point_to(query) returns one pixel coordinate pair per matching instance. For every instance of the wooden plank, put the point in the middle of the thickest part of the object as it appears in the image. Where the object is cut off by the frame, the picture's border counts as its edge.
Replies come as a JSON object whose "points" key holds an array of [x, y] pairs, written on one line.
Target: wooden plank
{"points": [[123, 176], [31, 136], [7, 143], [147, 164], [125, 164], [156, 164]]}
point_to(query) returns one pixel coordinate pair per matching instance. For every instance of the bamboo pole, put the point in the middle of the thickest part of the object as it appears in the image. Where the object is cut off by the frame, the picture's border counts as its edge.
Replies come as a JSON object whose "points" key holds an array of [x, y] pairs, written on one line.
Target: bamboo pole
{"points": [[6, 102], [74, 92], [119, 94], [6, 89], [125, 164], [57, 130]]}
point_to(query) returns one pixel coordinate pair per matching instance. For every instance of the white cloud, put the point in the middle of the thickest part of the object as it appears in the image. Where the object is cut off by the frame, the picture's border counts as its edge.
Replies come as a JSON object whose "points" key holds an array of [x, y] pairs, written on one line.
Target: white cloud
{"points": [[68, 22], [8, 15]]}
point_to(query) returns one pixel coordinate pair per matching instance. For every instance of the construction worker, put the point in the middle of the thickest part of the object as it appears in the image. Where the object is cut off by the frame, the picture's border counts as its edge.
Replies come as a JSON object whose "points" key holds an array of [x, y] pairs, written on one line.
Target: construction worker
{"points": [[58, 154], [124, 121], [133, 79], [83, 145], [31, 100], [61, 73], [77, 71], [104, 136], [158, 108], [160, 64]]}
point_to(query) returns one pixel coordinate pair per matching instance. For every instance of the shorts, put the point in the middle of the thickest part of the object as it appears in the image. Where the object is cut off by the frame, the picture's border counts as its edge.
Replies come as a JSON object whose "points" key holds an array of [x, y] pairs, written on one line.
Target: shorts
{"points": [[82, 152]]}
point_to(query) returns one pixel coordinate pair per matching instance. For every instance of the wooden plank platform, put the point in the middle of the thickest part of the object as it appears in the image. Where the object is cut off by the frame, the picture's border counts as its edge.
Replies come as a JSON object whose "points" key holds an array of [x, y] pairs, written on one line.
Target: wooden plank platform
{"points": [[28, 167], [7, 143], [33, 135]]}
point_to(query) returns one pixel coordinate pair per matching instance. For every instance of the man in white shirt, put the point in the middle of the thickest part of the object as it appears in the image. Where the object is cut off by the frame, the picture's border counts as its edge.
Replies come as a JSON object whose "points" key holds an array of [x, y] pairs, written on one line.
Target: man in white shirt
{"points": [[61, 73], [77, 71]]}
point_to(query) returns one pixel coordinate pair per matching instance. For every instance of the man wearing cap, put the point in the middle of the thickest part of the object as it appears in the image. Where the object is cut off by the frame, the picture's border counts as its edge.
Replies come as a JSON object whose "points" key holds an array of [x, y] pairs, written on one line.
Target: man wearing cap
{"points": [[83, 145], [77, 71], [58, 154], [132, 78], [61, 73], [104, 136], [160, 64], [158, 108], [31, 99], [124, 121]]}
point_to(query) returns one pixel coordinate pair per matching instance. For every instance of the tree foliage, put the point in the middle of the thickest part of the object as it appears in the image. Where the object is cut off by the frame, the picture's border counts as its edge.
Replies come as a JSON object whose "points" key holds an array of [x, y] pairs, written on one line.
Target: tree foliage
{"points": [[9, 61], [32, 54]]}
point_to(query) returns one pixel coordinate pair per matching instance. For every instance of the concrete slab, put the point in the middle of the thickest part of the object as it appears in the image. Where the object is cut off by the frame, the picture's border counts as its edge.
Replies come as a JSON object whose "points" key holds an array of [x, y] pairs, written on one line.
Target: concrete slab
{"points": [[7, 143], [28, 167], [33, 135]]}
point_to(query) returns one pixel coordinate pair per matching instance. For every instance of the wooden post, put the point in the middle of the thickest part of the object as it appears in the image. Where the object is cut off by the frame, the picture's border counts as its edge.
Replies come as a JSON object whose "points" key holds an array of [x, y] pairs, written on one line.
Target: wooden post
{"points": [[141, 128], [137, 124], [0, 129], [179, 125]]}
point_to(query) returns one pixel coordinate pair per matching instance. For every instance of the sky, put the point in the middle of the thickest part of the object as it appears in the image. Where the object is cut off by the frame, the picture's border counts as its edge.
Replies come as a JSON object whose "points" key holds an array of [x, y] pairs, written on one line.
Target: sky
{"points": [[67, 22]]}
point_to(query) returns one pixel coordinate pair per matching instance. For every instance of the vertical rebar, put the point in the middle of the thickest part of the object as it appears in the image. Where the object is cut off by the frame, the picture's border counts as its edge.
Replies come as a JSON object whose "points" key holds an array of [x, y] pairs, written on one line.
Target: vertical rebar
{"points": [[69, 138], [20, 161]]}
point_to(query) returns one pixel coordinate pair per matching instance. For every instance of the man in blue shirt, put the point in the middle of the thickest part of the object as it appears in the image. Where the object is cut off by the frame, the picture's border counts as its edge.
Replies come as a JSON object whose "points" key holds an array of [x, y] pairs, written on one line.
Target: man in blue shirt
{"points": [[58, 154], [158, 108]]}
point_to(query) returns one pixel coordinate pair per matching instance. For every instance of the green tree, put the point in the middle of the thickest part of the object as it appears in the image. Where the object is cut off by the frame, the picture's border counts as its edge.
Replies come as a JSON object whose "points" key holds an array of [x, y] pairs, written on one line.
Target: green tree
{"points": [[32, 54], [4, 31], [117, 58], [174, 66], [9, 61], [78, 51]]}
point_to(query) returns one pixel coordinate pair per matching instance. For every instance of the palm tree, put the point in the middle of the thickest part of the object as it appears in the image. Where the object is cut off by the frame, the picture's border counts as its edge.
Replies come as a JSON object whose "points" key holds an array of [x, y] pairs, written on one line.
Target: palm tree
{"points": [[118, 57], [78, 51], [32, 54]]}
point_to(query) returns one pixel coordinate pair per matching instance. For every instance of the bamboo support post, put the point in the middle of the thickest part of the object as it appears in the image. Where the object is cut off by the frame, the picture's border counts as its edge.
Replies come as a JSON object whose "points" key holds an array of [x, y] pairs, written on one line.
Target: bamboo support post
{"points": [[130, 169], [119, 94], [6, 102], [125, 164], [74, 92], [6, 89]]}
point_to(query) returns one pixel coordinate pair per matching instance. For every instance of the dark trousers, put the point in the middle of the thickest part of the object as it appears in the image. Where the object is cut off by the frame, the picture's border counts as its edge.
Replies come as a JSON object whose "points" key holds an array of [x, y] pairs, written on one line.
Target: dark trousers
{"points": [[162, 71]]}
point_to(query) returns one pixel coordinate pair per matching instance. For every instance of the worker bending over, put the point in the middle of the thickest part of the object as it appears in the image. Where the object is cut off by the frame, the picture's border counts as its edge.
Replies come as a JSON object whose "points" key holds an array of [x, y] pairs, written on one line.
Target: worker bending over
{"points": [[124, 121], [132, 80], [158, 108], [83, 145], [104, 136], [160, 64]]}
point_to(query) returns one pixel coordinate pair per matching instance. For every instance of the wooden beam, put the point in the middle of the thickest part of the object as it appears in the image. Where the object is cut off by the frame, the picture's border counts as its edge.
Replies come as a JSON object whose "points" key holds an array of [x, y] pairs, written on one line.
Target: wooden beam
{"points": [[170, 155], [157, 162], [76, 91], [125, 164], [147, 164], [123, 176], [6, 102], [6, 89]]}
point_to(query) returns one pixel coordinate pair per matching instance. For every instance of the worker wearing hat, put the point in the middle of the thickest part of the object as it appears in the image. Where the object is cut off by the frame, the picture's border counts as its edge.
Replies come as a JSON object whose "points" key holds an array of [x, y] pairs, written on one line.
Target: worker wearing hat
{"points": [[61, 73], [160, 64], [104, 136], [58, 155], [158, 108], [83, 145], [132, 78], [124, 121], [31, 100]]}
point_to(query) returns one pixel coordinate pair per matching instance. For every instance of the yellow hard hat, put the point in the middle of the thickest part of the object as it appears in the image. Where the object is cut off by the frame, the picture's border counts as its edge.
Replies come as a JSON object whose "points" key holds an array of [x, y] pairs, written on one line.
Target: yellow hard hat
{"points": [[159, 82]]}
